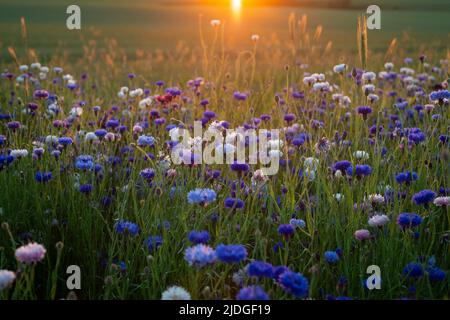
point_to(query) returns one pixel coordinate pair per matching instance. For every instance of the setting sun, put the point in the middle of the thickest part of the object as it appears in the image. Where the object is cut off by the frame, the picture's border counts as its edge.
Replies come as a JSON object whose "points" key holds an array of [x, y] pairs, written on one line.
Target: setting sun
{"points": [[236, 5]]}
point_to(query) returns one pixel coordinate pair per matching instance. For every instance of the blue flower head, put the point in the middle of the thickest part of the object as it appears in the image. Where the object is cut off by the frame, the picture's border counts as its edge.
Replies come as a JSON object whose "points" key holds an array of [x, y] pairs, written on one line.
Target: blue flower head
{"points": [[294, 283], [233, 253], [197, 237], [409, 220], [424, 197], [153, 242], [260, 269], [413, 270], [331, 256], [252, 293], [127, 227], [201, 196]]}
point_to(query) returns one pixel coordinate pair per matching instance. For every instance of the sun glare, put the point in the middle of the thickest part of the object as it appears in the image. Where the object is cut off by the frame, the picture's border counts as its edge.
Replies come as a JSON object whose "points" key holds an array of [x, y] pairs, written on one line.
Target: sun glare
{"points": [[236, 5]]}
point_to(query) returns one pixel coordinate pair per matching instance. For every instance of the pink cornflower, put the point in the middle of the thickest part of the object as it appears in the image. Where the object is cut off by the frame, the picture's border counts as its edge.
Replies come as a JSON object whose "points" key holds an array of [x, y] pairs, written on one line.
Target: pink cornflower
{"points": [[30, 253], [362, 234]]}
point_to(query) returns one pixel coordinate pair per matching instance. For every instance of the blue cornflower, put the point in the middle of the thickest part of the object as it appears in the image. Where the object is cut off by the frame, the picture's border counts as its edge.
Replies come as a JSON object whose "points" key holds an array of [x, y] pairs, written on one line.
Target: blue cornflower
{"points": [[342, 165], [233, 253], [2, 140], [436, 274], [415, 135], [65, 141], [252, 293], [408, 220], [299, 223], [260, 269], [360, 170], [331, 256], [112, 123], [84, 162], [200, 255], [406, 177], [85, 188], [100, 133], [286, 230], [153, 242], [294, 283], [413, 270], [234, 203], [146, 141], [197, 237], [278, 271], [424, 197], [439, 95], [127, 227], [147, 174], [201, 196], [43, 176]]}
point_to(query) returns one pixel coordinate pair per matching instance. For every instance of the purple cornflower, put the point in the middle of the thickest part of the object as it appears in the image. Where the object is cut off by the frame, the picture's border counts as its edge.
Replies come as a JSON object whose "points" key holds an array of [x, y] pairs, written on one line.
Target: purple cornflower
{"points": [[364, 111]]}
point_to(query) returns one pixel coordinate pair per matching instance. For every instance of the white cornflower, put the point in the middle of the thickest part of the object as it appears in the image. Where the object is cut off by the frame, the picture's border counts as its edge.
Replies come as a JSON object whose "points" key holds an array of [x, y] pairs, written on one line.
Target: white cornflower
{"points": [[76, 112], [175, 293], [35, 65], [309, 80], [90, 137], [369, 76], [311, 163], [361, 155], [378, 220], [389, 66], [19, 153], [407, 71], [369, 88], [376, 198], [67, 77], [23, 68], [340, 68], [144, 103], [321, 86], [259, 176], [136, 93], [255, 37], [338, 196], [215, 22], [442, 201]]}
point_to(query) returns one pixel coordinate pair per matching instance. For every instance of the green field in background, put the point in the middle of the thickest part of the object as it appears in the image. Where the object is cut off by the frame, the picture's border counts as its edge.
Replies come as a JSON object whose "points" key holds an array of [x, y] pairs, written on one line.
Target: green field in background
{"points": [[148, 25]]}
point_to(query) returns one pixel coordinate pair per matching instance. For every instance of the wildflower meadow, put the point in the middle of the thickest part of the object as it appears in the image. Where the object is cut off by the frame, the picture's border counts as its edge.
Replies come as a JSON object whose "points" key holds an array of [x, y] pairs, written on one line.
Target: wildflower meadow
{"points": [[106, 191]]}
